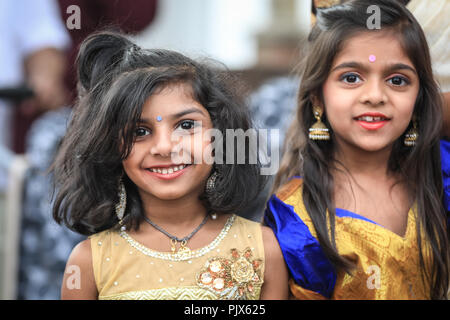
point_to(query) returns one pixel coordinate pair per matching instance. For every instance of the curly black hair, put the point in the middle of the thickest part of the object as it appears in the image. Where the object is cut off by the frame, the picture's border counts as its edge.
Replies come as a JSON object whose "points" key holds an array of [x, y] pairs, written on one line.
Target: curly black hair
{"points": [[115, 79]]}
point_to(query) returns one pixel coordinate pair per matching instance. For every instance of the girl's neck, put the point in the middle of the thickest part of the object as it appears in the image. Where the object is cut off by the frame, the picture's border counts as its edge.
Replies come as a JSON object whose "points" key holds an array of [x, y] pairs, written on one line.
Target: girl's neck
{"points": [[183, 211], [363, 163], [363, 182]]}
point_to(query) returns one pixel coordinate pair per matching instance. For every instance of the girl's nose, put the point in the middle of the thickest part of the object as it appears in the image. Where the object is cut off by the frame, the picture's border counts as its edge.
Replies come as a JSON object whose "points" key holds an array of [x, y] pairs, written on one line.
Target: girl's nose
{"points": [[374, 93], [162, 144]]}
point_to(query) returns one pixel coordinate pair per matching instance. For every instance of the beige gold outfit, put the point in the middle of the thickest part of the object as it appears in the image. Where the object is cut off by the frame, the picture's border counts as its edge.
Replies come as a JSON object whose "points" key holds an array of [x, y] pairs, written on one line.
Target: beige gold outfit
{"points": [[230, 267]]}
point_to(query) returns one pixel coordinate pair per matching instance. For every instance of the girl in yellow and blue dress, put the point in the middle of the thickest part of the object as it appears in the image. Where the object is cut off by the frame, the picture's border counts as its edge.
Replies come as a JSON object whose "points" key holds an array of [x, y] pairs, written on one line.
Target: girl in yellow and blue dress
{"points": [[361, 200], [139, 174]]}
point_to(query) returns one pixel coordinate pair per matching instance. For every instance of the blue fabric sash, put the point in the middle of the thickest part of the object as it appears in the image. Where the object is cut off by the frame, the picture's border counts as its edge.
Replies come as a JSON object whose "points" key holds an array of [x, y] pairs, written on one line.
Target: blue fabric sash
{"points": [[308, 265]]}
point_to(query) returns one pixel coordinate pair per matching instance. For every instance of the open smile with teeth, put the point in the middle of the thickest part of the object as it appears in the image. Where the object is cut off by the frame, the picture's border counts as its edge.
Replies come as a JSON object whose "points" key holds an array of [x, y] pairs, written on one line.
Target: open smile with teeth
{"points": [[169, 169], [371, 119]]}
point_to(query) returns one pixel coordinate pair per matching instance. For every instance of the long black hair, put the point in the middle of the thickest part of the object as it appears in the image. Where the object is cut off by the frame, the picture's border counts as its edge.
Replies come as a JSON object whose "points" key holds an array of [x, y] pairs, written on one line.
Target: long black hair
{"points": [[419, 166], [115, 79]]}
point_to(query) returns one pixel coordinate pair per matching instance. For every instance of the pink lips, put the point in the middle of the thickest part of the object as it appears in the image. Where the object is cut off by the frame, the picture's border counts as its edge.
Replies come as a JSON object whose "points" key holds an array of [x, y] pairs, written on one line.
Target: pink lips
{"points": [[372, 125], [372, 121]]}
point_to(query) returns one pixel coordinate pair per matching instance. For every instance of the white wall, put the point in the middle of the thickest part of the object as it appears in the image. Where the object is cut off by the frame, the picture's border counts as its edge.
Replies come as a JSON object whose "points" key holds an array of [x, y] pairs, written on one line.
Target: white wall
{"points": [[221, 29]]}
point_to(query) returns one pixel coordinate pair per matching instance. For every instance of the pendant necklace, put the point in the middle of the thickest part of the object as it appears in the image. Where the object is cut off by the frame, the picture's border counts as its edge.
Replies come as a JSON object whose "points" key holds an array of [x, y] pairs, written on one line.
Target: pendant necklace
{"points": [[184, 250]]}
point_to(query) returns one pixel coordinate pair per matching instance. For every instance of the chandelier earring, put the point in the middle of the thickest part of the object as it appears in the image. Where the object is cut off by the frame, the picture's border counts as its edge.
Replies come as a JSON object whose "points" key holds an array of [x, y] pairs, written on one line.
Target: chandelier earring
{"points": [[318, 130], [211, 188], [121, 206], [211, 183], [412, 134]]}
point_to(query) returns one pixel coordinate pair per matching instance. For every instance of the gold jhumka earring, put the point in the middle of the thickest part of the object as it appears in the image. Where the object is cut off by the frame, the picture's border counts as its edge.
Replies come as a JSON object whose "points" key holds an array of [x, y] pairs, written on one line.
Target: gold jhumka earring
{"points": [[318, 130], [412, 134]]}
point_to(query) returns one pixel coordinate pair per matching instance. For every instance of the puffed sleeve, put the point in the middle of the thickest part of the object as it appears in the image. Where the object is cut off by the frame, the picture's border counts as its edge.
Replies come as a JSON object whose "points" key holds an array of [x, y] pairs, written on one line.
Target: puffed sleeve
{"points": [[312, 274]]}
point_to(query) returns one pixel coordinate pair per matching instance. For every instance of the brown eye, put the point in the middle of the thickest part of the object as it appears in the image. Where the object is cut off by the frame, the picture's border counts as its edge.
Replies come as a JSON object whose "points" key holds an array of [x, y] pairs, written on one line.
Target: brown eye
{"points": [[141, 132], [398, 81], [187, 125], [350, 78]]}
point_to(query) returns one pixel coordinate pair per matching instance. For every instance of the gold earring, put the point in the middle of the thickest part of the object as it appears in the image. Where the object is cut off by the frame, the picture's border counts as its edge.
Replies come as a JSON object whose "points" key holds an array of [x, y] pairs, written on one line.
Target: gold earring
{"points": [[211, 183], [412, 134], [318, 130], [120, 207]]}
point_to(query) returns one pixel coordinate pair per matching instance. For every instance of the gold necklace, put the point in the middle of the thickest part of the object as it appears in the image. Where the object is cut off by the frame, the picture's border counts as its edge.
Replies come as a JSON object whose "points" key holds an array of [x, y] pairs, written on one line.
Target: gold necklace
{"points": [[184, 250]]}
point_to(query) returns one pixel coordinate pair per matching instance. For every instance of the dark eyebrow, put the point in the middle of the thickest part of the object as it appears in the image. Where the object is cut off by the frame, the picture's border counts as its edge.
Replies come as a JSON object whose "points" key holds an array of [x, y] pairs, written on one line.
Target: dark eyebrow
{"points": [[351, 64], [400, 66], [176, 115], [390, 68], [185, 112]]}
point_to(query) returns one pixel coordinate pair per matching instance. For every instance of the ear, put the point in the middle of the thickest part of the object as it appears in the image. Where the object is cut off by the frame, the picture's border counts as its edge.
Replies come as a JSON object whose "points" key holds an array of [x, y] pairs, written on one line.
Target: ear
{"points": [[316, 102]]}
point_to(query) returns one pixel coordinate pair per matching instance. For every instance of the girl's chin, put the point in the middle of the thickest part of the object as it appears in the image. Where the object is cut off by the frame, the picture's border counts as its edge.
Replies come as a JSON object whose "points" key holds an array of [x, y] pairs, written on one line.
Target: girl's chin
{"points": [[365, 146], [375, 147], [173, 191], [170, 195]]}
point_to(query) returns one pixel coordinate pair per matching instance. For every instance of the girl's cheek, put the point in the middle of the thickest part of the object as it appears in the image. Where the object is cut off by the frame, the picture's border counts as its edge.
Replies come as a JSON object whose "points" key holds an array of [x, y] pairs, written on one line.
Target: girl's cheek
{"points": [[194, 148], [184, 150], [208, 152], [129, 158], [200, 148]]}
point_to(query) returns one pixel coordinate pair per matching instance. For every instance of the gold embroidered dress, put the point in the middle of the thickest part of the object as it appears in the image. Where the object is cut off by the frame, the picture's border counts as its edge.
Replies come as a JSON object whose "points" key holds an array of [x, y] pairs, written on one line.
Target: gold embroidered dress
{"points": [[230, 267], [387, 265]]}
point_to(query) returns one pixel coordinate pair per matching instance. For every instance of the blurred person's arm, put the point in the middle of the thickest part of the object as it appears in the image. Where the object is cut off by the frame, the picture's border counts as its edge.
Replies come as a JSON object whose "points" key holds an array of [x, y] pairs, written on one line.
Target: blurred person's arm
{"points": [[43, 39], [45, 71]]}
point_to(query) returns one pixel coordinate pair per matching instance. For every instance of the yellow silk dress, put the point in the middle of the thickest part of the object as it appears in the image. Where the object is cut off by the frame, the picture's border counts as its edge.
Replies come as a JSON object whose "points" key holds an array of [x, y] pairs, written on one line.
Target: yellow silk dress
{"points": [[387, 265], [230, 267]]}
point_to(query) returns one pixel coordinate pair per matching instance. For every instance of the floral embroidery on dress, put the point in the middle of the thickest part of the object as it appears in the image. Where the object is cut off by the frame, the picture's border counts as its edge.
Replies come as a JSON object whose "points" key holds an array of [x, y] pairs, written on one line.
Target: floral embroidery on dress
{"points": [[236, 278]]}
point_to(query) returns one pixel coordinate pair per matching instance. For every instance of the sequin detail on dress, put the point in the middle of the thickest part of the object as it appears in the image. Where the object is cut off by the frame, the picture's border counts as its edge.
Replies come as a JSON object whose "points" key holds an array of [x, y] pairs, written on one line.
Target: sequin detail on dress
{"points": [[238, 277]]}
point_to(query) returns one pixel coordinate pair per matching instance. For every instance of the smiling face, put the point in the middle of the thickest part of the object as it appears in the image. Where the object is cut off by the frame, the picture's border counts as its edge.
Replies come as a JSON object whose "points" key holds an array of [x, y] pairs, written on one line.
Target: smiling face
{"points": [[370, 92], [164, 161]]}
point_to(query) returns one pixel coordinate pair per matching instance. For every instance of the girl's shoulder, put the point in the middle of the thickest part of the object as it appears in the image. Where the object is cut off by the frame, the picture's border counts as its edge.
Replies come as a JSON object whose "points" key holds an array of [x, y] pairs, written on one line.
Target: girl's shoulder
{"points": [[244, 222], [81, 252], [103, 244], [290, 188], [252, 231], [100, 238], [287, 202], [79, 263], [102, 235], [253, 227]]}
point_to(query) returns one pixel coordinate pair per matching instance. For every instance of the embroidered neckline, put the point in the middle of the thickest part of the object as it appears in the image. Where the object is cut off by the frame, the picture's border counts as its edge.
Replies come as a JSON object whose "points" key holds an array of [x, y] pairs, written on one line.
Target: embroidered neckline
{"points": [[176, 256], [411, 219]]}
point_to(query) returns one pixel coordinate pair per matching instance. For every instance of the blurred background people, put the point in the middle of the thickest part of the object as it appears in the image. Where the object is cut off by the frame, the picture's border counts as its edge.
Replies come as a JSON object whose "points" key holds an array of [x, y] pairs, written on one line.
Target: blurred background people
{"points": [[32, 54], [32, 43], [45, 246], [41, 49]]}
